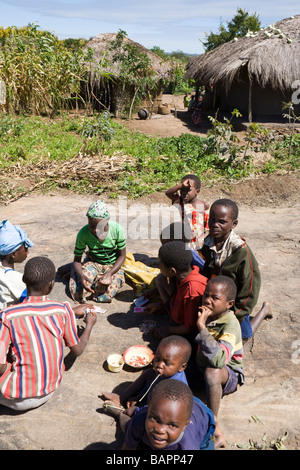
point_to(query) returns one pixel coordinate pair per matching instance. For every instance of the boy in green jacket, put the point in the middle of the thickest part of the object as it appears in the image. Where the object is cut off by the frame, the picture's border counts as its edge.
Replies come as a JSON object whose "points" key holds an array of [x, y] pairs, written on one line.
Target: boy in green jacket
{"points": [[228, 254]]}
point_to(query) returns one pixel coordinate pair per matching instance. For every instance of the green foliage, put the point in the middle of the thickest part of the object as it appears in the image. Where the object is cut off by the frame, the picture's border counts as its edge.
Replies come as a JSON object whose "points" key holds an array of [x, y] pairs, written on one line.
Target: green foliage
{"points": [[40, 74], [155, 162], [101, 128], [176, 83], [33, 139], [74, 44], [240, 24], [160, 52], [96, 132], [135, 70]]}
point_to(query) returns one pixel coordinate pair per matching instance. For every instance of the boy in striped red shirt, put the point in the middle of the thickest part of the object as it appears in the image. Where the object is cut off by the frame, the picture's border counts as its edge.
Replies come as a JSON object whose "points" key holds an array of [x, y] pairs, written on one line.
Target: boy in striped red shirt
{"points": [[32, 338]]}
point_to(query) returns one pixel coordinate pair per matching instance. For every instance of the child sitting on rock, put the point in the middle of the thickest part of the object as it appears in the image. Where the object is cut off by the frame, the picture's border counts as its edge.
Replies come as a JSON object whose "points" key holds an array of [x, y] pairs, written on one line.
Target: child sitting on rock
{"points": [[220, 349], [182, 298], [170, 361], [172, 420], [227, 253], [14, 245]]}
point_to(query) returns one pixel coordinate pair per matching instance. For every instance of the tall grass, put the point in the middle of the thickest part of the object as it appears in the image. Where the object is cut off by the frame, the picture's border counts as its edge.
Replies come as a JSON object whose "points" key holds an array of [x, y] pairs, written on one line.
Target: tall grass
{"points": [[40, 74]]}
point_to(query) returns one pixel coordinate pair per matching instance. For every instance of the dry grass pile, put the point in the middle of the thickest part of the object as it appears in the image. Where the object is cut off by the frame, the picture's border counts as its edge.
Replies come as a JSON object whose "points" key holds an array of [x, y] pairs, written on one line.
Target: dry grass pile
{"points": [[99, 169]]}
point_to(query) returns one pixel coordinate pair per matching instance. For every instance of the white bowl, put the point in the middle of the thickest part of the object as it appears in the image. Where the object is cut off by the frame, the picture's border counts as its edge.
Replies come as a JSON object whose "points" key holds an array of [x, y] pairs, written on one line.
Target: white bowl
{"points": [[115, 362], [138, 356]]}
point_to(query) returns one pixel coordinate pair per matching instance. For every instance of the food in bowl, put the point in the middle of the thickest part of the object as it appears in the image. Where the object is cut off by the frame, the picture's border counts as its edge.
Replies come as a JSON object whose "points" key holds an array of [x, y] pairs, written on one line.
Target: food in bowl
{"points": [[138, 356]]}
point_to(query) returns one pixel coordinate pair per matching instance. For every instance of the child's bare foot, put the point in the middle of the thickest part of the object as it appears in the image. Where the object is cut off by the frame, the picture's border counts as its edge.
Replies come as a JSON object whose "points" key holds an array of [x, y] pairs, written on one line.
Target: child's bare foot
{"points": [[267, 310], [114, 397], [111, 408], [219, 436]]}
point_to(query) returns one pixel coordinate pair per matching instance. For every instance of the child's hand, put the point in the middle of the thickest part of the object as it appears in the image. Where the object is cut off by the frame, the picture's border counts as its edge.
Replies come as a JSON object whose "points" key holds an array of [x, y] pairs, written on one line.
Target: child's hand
{"points": [[186, 184], [91, 318], [80, 309], [203, 315], [153, 308], [160, 332], [106, 279], [86, 284], [131, 402], [130, 411]]}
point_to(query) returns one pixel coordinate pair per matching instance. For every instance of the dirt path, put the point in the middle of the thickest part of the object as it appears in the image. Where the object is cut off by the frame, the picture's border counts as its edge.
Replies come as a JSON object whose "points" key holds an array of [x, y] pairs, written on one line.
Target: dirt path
{"points": [[263, 410]]}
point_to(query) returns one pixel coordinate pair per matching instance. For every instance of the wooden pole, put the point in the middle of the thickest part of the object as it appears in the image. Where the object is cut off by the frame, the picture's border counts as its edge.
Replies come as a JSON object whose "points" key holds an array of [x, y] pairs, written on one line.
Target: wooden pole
{"points": [[250, 100]]}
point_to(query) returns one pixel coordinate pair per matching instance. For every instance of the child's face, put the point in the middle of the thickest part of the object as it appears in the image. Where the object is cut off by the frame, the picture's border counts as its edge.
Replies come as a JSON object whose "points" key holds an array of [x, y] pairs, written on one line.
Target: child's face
{"points": [[98, 227], [20, 254], [215, 299], [168, 360], [166, 420], [221, 222], [188, 191]]}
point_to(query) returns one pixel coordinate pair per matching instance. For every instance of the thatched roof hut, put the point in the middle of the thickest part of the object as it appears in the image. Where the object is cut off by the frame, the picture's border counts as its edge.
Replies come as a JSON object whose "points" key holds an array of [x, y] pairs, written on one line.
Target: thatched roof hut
{"points": [[254, 73], [107, 93]]}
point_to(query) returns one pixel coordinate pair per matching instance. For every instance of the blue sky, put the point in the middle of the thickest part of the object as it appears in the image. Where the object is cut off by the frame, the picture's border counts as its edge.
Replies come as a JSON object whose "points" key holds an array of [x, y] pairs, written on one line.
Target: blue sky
{"points": [[170, 24]]}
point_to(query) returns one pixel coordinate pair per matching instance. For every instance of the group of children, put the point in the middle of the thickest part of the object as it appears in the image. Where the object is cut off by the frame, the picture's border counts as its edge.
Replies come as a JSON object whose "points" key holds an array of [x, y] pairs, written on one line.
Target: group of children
{"points": [[208, 285]]}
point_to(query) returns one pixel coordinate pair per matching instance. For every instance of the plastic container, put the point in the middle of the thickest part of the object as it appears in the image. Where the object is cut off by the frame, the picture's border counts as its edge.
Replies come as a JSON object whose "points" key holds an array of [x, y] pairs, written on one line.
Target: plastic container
{"points": [[115, 362]]}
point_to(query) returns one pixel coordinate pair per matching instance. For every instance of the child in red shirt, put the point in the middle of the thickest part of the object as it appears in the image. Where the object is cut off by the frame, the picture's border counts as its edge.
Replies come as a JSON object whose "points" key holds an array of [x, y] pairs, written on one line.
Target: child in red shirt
{"points": [[181, 287]]}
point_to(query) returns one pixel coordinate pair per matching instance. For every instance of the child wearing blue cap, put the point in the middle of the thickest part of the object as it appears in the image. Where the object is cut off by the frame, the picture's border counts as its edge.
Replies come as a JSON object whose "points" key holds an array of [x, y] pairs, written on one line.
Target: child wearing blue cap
{"points": [[14, 244]]}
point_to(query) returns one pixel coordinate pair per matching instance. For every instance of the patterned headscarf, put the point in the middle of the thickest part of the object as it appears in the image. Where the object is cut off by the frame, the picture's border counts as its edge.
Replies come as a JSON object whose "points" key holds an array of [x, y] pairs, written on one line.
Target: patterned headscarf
{"points": [[98, 210], [12, 237]]}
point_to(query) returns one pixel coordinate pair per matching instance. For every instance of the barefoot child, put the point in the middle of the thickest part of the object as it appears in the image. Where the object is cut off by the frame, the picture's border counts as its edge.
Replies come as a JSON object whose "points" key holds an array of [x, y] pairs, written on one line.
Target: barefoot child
{"points": [[182, 298], [220, 349], [227, 253], [14, 245], [100, 274], [172, 420], [32, 337], [193, 210], [176, 231], [170, 361]]}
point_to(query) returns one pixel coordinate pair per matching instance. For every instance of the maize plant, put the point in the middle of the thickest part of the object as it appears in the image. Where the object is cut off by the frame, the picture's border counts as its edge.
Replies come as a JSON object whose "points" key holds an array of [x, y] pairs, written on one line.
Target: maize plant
{"points": [[40, 74]]}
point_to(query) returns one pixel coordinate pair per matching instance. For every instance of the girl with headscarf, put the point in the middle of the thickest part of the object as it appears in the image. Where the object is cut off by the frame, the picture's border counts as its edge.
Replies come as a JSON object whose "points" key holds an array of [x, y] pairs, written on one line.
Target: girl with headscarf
{"points": [[100, 274], [14, 244]]}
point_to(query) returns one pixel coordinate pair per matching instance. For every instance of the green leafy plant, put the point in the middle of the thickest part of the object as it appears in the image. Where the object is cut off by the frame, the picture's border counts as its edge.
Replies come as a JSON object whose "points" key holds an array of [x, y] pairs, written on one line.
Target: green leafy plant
{"points": [[41, 75], [98, 130], [135, 70]]}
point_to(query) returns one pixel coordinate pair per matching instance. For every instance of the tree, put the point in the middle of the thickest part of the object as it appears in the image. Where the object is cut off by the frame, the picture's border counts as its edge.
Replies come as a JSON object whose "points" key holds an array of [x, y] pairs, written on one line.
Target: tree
{"points": [[135, 69], [160, 52], [240, 24]]}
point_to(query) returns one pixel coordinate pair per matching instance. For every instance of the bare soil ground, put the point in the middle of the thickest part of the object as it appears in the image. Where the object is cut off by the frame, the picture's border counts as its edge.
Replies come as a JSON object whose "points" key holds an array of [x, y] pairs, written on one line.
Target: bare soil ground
{"points": [[264, 413]]}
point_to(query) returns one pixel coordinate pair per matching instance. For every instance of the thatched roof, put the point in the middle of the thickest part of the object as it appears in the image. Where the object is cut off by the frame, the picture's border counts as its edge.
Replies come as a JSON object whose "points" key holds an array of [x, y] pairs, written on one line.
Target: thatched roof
{"points": [[272, 57], [101, 46]]}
